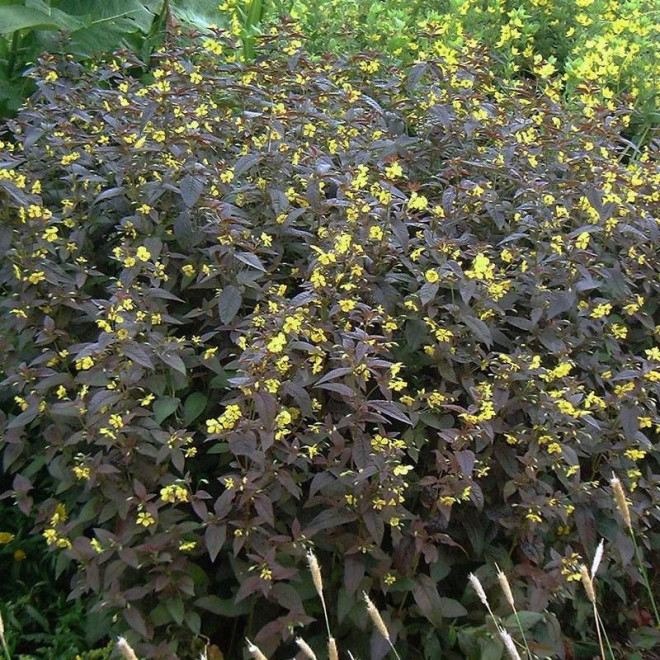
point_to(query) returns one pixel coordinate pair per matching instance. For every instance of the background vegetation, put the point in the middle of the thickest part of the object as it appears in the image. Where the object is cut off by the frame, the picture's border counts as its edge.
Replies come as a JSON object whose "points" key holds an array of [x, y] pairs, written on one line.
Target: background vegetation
{"points": [[399, 307]]}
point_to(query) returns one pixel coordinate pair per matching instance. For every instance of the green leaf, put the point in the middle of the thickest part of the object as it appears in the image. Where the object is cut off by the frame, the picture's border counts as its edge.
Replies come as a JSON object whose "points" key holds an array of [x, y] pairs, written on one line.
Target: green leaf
{"points": [[194, 406], [451, 608], [173, 360], [15, 17], [164, 407], [200, 14], [176, 609], [223, 606], [527, 620], [491, 650]]}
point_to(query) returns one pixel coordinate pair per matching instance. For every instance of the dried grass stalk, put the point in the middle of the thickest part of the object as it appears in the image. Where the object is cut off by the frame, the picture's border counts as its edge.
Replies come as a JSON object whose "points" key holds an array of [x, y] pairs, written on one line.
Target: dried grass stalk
{"points": [[476, 585], [509, 645], [255, 651], [125, 649], [621, 502], [588, 584], [506, 587], [375, 616], [306, 648]]}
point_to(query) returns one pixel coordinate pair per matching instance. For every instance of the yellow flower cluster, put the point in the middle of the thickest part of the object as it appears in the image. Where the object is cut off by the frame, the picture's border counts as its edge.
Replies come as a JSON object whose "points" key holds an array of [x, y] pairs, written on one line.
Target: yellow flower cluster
{"points": [[226, 421]]}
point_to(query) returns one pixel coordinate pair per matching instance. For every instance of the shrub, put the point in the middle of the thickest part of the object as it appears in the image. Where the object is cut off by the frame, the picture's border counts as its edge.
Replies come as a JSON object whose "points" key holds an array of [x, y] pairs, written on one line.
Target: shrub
{"points": [[398, 315], [611, 44]]}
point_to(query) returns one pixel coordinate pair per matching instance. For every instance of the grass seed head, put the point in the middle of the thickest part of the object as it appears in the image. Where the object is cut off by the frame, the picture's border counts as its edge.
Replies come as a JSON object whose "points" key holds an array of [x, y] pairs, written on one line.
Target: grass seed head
{"points": [[506, 587], [316, 572], [598, 557], [125, 649], [306, 648], [621, 502], [333, 654], [476, 585], [255, 651], [588, 583], [509, 645], [375, 616]]}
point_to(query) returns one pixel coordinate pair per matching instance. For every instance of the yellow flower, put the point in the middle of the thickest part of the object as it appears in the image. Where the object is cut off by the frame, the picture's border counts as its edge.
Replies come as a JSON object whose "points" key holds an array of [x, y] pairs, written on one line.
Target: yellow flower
{"points": [[84, 363], [50, 234], [6, 537], [431, 275], [174, 493], [143, 254], [145, 519], [417, 202], [147, 400], [376, 233], [393, 170], [277, 343], [482, 268], [582, 241], [37, 277], [601, 310]]}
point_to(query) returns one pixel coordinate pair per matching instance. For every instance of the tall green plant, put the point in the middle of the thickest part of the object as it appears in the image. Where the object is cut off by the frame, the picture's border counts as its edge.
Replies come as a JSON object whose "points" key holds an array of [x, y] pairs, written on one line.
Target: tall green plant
{"points": [[81, 28]]}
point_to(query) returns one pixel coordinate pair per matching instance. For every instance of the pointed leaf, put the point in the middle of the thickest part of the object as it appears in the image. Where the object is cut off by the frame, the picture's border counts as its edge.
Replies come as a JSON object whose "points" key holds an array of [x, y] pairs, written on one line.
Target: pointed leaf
{"points": [[229, 303], [164, 407]]}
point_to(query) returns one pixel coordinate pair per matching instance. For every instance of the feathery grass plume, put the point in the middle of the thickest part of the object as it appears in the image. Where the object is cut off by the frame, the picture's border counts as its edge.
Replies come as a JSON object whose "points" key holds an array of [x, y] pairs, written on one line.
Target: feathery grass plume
{"points": [[378, 622], [508, 594], [598, 557], [5, 648], [506, 587], [317, 578], [255, 651], [333, 654], [306, 648], [588, 584], [509, 645], [624, 510], [125, 649], [476, 585], [621, 502], [315, 569]]}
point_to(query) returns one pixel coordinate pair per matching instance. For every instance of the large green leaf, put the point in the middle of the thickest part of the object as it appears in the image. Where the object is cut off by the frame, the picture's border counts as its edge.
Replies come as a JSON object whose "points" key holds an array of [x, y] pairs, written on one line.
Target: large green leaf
{"points": [[200, 14], [110, 26], [15, 17]]}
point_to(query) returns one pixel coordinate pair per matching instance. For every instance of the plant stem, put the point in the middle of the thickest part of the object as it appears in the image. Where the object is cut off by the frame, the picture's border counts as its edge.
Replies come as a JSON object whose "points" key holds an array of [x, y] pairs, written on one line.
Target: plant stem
{"points": [[607, 639], [13, 53], [522, 633], [645, 578], [5, 648], [600, 637]]}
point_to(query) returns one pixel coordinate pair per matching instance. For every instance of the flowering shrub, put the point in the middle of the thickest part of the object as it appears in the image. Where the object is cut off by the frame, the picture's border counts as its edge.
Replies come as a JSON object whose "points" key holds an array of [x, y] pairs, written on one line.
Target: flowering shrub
{"points": [[397, 315], [604, 42]]}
